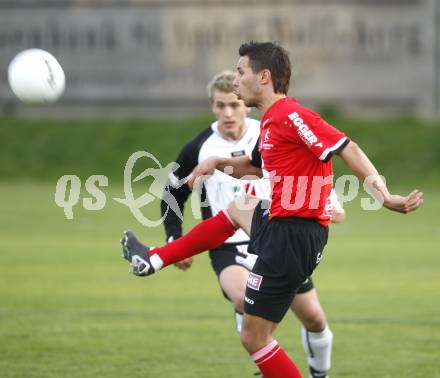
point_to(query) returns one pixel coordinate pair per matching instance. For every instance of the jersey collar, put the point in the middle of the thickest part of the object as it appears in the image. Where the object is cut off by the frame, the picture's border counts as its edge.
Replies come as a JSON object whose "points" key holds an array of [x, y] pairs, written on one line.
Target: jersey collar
{"points": [[266, 116]]}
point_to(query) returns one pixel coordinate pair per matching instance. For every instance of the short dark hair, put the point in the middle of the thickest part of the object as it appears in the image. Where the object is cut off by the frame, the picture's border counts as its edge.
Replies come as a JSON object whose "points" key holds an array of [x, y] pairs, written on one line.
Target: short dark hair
{"points": [[270, 56]]}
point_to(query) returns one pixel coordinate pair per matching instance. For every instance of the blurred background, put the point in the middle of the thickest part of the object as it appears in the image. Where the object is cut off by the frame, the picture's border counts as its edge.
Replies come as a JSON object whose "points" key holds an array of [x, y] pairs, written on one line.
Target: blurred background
{"points": [[154, 57], [136, 75]]}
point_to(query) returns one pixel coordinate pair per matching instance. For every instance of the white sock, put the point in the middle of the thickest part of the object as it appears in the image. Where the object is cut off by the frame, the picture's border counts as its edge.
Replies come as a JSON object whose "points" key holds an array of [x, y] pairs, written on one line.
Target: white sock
{"points": [[238, 321], [318, 346], [156, 262]]}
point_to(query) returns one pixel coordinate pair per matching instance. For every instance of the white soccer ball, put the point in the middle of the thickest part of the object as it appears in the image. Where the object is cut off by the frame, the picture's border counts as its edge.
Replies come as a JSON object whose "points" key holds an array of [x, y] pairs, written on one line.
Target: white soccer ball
{"points": [[36, 77]]}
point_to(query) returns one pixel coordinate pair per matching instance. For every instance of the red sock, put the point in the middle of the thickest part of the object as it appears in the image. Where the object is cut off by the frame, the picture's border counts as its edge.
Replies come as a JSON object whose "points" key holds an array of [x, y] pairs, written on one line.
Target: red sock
{"points": [[274, 362], [206, 235]]}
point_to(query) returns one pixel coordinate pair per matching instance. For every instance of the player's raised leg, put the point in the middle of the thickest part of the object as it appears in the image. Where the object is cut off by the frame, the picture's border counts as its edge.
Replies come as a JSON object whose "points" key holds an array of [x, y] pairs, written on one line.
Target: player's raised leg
{"points": [[206, 235], [242, 209]]}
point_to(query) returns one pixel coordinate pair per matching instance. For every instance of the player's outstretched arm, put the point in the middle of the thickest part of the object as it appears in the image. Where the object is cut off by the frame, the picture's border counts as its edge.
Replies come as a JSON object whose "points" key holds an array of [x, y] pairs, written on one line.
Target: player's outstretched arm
{"points": [[361, 166], [237, 167]]}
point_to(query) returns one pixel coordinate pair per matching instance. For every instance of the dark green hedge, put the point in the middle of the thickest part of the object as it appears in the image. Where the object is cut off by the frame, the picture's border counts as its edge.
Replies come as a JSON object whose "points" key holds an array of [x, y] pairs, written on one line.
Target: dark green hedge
{"points": [[404, 149]]}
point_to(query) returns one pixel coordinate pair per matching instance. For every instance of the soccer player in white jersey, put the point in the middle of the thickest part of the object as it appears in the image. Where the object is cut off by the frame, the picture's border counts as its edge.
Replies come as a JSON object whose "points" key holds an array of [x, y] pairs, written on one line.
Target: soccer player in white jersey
{"points": [[233, 135]]}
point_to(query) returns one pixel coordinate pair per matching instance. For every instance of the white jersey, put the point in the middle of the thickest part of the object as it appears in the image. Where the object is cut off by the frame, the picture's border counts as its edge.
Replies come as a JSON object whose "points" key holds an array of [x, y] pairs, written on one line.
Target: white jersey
{"points": [[222, 189]]}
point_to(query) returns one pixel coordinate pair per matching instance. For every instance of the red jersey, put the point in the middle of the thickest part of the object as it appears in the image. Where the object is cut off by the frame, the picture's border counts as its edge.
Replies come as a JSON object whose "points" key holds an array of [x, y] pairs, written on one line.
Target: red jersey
{"points": [[296, 145]]}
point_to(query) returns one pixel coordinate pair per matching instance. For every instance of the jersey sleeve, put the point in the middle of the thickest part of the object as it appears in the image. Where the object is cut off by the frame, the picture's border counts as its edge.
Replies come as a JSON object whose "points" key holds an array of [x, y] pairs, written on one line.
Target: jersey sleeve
{"points": [[256, 156], [320, 137], [176, 193], [187, 161]]}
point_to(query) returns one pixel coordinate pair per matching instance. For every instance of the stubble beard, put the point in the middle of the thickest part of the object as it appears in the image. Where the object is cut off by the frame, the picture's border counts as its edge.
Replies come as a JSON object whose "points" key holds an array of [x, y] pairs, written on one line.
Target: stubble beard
{"points": [[250, 103]]}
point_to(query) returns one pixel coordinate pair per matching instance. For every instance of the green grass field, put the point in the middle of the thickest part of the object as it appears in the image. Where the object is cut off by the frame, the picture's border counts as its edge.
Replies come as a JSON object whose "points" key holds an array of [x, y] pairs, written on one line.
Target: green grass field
{"points": [[68, 307]]}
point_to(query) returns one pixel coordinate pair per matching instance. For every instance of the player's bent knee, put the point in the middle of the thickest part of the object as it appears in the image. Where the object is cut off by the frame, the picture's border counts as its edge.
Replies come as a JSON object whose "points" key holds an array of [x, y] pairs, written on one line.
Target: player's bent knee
{"points": [[315, 320], [233, 210], [245, 202], [241, 211]]}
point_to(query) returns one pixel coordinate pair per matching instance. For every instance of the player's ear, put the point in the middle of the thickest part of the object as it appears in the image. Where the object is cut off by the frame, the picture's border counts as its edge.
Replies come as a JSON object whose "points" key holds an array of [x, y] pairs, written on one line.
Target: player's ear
{"points": [[247, 109], [265, 76]]}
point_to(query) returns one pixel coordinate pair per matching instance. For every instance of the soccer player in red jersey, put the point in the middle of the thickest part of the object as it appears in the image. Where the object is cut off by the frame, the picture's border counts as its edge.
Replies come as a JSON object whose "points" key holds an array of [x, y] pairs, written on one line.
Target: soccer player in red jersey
{"points": [[294, 151], [235, 134]]}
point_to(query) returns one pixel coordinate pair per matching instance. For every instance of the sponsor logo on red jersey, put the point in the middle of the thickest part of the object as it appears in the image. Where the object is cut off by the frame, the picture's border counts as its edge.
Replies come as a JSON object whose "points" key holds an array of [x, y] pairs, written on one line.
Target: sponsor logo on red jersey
{"points": [[296, 147], [304, 132]]}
